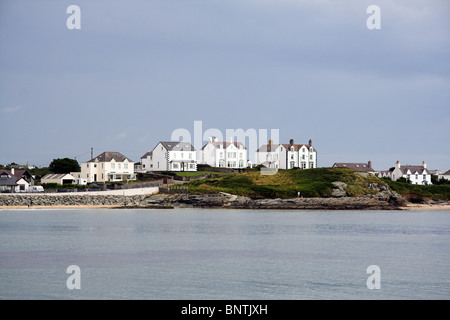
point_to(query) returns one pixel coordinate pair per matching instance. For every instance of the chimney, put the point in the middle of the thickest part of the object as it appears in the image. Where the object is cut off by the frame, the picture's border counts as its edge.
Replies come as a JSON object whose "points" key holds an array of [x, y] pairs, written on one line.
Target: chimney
{"points": [[216, 139], [270, 142], [424, 165], [310, 142], [291, 142], [12, 170], [230, 139], [369, 164], [210, 139], [397, 165]]}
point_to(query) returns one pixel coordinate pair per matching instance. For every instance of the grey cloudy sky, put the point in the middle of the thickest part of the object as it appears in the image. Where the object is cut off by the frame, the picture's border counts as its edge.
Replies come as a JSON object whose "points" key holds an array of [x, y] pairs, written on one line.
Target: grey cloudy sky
{"points": [[138, 70]]}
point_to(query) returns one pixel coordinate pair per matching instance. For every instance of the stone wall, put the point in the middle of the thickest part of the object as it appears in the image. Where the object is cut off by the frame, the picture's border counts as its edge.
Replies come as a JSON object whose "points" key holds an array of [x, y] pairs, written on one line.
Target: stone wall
{"points": [[68, 200]]}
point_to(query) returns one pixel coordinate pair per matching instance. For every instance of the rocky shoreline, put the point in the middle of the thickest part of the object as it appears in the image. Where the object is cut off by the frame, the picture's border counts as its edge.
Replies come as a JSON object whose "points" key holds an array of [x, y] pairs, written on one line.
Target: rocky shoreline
{"points": [[225, 200], [383, 200]]}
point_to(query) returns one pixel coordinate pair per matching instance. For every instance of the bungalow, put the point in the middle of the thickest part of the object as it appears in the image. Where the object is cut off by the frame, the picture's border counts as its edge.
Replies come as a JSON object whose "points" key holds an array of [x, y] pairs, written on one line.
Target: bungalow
{"points": [[58, 178], [367, 167], [417, 174], [12, 183], [224, 154], [170, 156], [107, 167]]}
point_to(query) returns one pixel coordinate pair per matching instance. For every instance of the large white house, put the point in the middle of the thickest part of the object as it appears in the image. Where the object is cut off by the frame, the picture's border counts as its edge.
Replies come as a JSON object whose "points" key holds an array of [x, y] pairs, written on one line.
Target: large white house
{"points": [[107, 167], [417, 174], [224, 154], [287, 156], [170, 156]]}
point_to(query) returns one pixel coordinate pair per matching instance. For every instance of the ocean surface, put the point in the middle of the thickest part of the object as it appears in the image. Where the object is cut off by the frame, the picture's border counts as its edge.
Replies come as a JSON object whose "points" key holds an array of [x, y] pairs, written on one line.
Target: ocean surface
{"points": [[224, 254]]}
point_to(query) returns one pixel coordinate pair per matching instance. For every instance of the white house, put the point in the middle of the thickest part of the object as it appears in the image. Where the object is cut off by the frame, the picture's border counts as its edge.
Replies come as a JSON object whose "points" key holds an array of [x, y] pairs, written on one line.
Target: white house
{"points": [[287, 156], [417, 174], [445, 175], [108, 167], [224, 154], [170, 156], [78, 179], [58, 178]]}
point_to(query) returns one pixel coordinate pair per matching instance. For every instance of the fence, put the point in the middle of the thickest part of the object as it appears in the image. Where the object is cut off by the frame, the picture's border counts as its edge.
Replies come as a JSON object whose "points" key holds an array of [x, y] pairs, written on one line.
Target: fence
{"points": [[105, 187]]}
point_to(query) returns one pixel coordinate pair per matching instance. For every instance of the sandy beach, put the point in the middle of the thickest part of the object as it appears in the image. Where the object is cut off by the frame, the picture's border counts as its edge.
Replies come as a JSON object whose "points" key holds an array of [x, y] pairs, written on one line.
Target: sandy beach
{"points": [[419, 206]]}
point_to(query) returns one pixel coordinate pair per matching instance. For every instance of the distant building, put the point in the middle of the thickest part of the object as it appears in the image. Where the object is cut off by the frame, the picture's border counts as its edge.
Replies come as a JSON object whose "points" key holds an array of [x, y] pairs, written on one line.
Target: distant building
{"points": [[170, 156], [58, 178], [12, 183], [287, 156], [359, 166], [108, 167], [445, 175], [224, 154], [416, 174]]}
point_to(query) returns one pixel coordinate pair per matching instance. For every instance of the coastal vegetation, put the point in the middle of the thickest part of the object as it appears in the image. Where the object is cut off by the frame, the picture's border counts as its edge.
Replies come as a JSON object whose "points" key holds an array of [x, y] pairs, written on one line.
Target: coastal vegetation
{"points": [[287, 183], [420, 193]]}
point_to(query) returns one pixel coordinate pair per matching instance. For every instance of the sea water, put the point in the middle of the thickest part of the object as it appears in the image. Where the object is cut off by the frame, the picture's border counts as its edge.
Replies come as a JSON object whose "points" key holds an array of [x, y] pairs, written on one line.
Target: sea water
{"points": [[224, 254]]}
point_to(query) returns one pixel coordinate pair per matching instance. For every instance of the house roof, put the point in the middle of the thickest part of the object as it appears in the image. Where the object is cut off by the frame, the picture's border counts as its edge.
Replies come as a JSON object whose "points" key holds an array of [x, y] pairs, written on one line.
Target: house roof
{"points": [[56, 176], [19, 173], [414, 169], [108, 156], [147, 154], [354, 166], [7, 179], [446, 173], [273, 147], [177, 146], [224, 144]]}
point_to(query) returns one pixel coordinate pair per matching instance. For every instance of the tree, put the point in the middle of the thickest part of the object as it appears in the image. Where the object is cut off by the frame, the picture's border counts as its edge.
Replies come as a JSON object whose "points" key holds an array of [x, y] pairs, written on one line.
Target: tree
{"points": [[65, 165]]}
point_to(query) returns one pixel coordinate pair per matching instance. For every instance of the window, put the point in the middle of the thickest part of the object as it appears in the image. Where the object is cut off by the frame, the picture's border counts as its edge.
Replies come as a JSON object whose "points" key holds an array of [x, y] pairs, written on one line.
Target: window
{"points": [[292, 157], [113, 166], [125, 166], [417, 176], [151, 166], [303, 156], [424, 177], [95, 165], [158, 165], [87, 165], [190, 155], [182, 155], [221, 155], [310, 157], [174, 155], [120, 165], [175, 165], [192, 166]]}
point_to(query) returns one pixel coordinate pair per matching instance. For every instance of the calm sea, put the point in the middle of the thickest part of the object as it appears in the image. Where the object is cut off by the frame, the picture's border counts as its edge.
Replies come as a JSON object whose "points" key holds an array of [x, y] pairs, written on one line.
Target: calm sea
{"points": [[224, 254]]}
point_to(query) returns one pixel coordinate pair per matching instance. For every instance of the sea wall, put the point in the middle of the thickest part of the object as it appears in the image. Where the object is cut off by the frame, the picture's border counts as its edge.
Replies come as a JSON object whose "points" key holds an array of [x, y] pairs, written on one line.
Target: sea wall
{"points": [[68, 200]]}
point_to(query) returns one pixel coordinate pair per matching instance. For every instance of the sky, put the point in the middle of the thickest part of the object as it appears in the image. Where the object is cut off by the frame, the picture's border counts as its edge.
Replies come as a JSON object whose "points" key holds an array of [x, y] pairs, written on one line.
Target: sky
{"points": [[136, 71]]}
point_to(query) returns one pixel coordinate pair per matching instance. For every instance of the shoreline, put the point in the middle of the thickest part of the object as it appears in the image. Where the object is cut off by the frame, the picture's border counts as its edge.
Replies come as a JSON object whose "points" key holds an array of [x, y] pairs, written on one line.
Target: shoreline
{"points": [[409, 206]]}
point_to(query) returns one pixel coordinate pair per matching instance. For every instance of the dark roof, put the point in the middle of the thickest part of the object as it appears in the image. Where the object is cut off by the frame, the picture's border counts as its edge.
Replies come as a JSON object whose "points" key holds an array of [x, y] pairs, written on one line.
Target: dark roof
{"points": [[7, 179], [177, 146], [108, 156], [147, 154], [224, 144], [446, 173], [354, 166], [20, 173], [273, 147], [414, 169]]}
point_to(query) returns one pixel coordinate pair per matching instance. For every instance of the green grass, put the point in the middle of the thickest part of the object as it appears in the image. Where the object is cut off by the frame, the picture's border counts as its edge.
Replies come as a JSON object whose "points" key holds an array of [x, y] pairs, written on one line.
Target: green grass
{"points": [[416, 193], [286, 183]]}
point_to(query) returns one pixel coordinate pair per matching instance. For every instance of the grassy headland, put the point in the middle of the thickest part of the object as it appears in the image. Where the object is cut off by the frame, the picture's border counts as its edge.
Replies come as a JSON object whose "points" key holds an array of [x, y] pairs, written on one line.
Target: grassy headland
{"points": [[312, 183], [286, 183]]}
